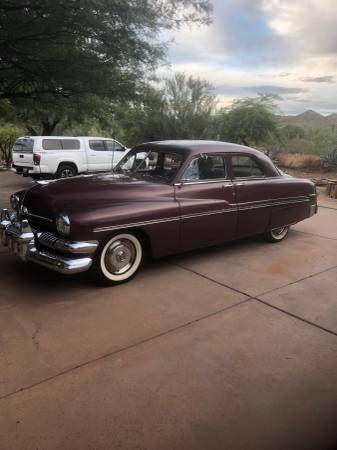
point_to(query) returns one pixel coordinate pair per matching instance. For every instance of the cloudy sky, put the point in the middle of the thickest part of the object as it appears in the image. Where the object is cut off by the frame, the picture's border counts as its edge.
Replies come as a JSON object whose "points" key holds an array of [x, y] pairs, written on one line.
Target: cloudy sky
{"points": [[286, 47]]}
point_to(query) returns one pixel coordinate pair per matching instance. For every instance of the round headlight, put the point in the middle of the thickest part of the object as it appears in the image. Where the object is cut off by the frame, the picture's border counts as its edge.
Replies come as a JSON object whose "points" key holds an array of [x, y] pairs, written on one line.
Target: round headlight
{"points": [[63, 224], [15, 202]]}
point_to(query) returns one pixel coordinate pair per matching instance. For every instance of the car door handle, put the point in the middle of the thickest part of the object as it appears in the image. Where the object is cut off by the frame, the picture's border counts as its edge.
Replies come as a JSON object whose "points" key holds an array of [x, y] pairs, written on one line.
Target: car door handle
{"points": [[240, 184]]}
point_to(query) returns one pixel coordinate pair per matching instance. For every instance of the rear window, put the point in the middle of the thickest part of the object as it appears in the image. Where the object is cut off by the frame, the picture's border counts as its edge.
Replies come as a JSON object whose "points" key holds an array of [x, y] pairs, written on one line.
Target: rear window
{"points": [[245, 167], [23, 145], [60, 144]]}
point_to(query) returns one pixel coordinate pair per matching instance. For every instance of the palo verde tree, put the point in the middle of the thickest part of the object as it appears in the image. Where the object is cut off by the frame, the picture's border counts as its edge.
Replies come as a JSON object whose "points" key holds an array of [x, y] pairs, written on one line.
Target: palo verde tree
{"points": [[68, 49], [249, 121], [180, 108], [190, 104]]}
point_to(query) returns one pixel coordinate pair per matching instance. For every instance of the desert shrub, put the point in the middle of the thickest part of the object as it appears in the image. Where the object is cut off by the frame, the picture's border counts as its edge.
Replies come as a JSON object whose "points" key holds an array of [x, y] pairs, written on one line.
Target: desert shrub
{"points": [[298, 145], [8, 135], [330, 159], [299, 161]]}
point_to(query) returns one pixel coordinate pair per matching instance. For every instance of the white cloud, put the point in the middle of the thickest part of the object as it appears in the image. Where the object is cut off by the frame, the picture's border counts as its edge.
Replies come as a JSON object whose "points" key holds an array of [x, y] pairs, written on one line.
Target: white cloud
{"points": [[286, 45], [311, 24]]}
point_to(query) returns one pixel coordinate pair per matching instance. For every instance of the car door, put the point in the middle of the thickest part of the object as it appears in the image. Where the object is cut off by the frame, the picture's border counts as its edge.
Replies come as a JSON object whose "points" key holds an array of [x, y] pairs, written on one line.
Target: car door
{"points": [[205, 196], [99, 157], [252, 194]]}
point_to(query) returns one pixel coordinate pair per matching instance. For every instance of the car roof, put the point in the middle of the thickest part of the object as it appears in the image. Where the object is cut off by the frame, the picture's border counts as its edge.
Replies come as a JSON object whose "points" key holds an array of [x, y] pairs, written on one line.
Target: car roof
{"points": [[189, 148], [201, 146]]}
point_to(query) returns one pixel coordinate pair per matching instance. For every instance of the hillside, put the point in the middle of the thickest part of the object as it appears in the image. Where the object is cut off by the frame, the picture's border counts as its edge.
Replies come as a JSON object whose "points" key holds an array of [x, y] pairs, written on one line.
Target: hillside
{"points": [[310, 119]]}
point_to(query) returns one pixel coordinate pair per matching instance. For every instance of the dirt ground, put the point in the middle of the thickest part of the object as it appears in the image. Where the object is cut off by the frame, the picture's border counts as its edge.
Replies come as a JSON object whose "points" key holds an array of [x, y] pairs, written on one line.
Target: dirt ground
{"points": [[232, 347]]}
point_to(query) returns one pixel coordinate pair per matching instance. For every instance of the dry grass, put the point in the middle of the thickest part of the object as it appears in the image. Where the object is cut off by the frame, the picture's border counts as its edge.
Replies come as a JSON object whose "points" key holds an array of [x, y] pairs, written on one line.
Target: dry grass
{"points": [[299, 161]]}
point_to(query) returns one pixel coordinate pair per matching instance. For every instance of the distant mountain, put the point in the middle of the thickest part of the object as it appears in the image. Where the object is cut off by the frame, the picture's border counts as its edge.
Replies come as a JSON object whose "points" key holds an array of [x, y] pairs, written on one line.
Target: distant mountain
{"points": [[331, 119], [310, 119]]}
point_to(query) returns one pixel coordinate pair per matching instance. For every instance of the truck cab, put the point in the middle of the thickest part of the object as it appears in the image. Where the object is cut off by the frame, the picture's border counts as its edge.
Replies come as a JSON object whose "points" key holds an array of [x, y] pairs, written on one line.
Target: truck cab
{"points": [[63, 156]]}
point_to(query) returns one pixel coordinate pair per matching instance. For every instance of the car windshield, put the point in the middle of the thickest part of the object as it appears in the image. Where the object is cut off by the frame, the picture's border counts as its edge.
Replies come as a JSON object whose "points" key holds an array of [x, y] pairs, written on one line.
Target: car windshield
{"points": [[153, 163]]}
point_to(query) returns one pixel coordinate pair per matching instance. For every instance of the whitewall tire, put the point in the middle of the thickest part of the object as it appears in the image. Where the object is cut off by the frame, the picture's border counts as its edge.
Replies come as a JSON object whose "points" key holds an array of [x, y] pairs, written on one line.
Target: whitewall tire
{"points": [[119, 258], [277, 234]]}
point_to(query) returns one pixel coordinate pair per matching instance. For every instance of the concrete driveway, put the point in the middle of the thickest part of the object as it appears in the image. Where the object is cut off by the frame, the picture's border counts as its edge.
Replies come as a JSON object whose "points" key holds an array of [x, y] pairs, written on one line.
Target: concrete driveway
{"points": [[232, 347]]}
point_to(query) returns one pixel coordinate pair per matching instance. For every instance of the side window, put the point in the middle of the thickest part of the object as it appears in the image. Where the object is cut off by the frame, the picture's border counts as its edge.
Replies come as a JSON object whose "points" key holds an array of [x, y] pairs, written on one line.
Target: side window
{"points": [[70, 144], [245, 167], [51, 144], [97, 145], [205, 168], [118, 147], [109, 145], [113, 146]]}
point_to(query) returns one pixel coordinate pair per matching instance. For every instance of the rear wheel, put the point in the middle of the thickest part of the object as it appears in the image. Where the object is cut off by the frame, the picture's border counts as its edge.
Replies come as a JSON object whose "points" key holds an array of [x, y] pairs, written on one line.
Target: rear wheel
{"points": [[118, 258], [66, 170], [276, 234]]}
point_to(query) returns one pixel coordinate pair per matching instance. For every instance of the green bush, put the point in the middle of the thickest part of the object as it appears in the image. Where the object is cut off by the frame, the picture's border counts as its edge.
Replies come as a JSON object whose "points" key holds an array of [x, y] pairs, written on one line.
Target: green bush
{"points": [[8, 135]]}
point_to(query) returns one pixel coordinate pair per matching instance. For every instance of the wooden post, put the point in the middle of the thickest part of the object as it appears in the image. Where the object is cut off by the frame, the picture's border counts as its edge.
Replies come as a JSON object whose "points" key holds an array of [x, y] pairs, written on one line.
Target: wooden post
{"points": [[331, 188]]}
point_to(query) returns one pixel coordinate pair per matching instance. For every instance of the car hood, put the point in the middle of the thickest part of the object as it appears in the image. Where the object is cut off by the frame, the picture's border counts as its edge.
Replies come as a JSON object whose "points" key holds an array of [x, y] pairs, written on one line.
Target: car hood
{"points": [[87, 192]]}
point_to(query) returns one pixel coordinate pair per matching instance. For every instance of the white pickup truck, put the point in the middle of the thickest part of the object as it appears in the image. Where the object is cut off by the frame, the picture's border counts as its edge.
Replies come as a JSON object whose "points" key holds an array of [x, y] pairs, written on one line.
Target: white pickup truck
{"points": [[61, 156]]}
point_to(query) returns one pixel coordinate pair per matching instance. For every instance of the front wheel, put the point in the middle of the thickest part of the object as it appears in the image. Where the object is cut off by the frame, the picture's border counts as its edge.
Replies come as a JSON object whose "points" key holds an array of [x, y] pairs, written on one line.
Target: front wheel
{"points": [[118, 258], [276, 234]]}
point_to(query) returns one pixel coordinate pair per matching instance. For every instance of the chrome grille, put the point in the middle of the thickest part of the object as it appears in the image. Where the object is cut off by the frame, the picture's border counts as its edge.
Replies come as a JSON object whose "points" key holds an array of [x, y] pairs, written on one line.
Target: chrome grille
{"points": [[48, 239]]}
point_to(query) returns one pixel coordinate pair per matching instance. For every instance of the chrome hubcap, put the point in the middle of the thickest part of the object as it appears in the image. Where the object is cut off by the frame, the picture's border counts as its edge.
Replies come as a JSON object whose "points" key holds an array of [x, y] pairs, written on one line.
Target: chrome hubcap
{"points": [[120, 256], [279, 232]]}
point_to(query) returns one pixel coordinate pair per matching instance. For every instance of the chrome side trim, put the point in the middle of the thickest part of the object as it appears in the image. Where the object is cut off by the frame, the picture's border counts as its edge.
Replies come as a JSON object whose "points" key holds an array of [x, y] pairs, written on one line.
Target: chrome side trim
{"points": [[245, 179], [232, 207], [208, 213], [266, 205], [224, 181], [136, 224], [273, 201]]}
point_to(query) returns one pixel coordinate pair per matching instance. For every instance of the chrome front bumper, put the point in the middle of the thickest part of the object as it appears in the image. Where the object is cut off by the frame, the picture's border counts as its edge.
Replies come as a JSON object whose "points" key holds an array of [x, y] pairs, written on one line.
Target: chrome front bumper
{"points": [[46, 249]]}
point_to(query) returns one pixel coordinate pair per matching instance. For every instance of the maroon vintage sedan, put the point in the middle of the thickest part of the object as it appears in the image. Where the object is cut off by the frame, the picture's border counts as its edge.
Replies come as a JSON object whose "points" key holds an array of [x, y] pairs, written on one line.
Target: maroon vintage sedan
{"points": [[162, 198]]}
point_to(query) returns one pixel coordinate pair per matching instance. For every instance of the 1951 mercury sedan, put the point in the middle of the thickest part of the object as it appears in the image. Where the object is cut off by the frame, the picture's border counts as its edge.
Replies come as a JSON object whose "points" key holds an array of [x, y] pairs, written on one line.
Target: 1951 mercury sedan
{"points": [[164, 198]]}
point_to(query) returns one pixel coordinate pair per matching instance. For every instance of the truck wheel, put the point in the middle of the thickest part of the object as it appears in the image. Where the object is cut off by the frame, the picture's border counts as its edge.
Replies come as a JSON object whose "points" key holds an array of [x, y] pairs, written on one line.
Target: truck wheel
{"points": [[118, 259], [66, 170], [276, 234]]}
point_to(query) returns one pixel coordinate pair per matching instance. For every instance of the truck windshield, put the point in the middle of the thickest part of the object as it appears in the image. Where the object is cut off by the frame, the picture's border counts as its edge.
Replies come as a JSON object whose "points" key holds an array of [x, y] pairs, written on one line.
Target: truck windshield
{"points": [[152, 163], [23, 145]]}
